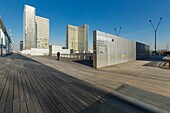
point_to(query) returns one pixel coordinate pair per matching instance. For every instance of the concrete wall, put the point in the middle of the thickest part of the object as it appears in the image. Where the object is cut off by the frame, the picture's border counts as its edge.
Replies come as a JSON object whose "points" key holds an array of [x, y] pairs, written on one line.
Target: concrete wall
{"points": [[26, 52], [39, 52], [109, 49], [36, 52]]}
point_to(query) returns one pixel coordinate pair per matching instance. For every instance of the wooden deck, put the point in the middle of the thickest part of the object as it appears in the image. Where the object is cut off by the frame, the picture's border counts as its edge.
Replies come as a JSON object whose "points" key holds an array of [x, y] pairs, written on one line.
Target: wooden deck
{"points": [[151, 74], [27, 86]]}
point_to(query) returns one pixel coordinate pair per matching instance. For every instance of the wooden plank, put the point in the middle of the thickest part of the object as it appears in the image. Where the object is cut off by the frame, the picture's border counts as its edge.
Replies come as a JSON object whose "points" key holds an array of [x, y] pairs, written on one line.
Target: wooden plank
{"points": [[47, 92], [30, 106], [33, 96], [69, 92], [2, 72], [5, 92], [44, 105], [3, 81], [64, 100], [22, 98], [34, 89], [9, 103], [78, 82], [40, 72], [81, 92], [16, 104], [44, 96], [56, 79], [70, 86]]}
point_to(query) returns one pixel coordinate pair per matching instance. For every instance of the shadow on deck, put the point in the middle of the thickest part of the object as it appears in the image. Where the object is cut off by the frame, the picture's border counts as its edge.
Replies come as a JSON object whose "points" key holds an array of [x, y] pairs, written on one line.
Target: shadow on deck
{"points": [[156, 61], [88, 63]]}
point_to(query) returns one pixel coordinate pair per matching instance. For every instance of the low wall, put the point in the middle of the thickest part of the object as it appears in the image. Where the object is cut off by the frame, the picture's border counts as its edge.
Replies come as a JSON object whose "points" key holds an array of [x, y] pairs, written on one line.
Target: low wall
{"points": [[36, 52], [28, 52], [53, 49], [39, 52]]}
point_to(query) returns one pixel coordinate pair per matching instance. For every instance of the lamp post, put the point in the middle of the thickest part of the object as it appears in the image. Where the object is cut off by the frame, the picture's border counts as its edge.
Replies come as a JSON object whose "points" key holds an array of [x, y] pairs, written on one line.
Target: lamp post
{"points": [[155, 30], [168, 45], [118, 32]]}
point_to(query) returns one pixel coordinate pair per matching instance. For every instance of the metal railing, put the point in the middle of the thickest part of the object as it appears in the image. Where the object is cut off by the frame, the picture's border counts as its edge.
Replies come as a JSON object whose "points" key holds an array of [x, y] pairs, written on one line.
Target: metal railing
{"points": [[80, 56]]}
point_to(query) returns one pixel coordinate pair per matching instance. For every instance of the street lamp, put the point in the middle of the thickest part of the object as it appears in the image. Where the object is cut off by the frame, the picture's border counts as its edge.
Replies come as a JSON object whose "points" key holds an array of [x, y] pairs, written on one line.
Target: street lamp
{"points": [[118, 32], [168, 45], [155, 30]]}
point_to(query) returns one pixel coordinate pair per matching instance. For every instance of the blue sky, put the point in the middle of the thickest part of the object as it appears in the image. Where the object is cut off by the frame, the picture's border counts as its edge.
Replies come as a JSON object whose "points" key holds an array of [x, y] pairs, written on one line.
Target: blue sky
{"points": [[105, 15]]}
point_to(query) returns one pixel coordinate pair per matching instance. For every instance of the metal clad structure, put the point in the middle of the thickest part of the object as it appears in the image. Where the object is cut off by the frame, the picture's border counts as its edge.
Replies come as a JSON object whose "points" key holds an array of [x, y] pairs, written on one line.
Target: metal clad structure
{"points": [[109, 49], [142, 51]]}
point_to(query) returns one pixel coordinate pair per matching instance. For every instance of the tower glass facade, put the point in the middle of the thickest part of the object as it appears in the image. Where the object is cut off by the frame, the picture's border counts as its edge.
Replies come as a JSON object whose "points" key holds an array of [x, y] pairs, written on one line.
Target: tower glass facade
{"points": [[77, 38], [42, 31], [29, 28]]}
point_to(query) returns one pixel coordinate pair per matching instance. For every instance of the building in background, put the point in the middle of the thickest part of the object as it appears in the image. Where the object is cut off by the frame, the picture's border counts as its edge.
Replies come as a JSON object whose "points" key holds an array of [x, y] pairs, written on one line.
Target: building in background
{"points": [[36, 30], [5, 41], [42, 31], [77, 38], [21, 45], [29, 26]]}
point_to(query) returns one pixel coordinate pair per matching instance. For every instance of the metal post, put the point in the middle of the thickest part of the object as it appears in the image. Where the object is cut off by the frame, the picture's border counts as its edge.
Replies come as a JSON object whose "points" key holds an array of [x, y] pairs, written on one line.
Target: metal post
{"points": [[155, 41], [168, 45], [155, 29], [117, 34]]}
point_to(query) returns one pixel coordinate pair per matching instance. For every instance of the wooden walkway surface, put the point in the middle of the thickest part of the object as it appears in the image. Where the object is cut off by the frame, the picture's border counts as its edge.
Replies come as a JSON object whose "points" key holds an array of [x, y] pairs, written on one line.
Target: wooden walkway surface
{"points": [[27, 86]]}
